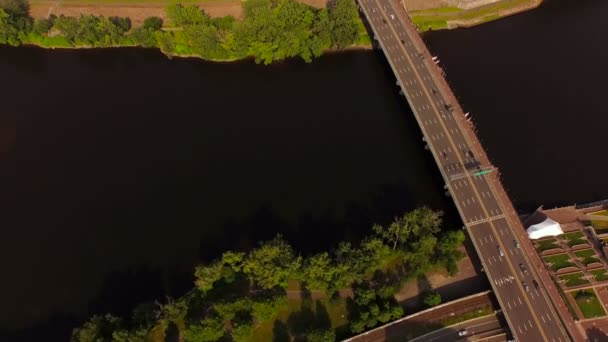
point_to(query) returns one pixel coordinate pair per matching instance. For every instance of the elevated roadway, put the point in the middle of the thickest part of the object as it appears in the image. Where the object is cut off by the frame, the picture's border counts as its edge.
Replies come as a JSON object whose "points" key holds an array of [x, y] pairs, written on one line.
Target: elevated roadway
{"points": [[469, 176], [487, 328]]}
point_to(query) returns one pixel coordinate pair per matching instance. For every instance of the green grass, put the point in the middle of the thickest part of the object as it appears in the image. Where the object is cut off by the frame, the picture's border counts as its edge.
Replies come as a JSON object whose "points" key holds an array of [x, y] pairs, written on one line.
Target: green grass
{"points": [[600, 275], [600, 227], [574, 239], [363, 37], [587, 256], [336, 311], [566, 300], [435, 11], [574, 279], [545, 245], [588, 303], [429, 23], [438, 18], [559, 261]]}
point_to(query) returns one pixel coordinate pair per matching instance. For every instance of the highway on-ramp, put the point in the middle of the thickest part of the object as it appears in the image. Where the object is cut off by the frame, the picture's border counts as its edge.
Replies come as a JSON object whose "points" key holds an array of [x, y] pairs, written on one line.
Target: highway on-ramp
{"points": [[478, 329], [468, 176]]}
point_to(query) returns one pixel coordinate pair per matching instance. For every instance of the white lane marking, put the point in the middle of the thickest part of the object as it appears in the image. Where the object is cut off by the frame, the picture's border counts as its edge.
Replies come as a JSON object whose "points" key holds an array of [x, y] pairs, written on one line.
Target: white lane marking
{"points": [[519, 299], [509, 304], [519, 328], [543, 318], [529, 322], [491, 238]]}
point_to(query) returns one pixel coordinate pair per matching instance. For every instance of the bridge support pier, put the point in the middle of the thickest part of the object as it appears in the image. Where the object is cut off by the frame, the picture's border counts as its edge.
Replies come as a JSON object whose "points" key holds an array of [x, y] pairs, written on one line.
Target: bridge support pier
{"points": [[426, 147], [448, 194]]}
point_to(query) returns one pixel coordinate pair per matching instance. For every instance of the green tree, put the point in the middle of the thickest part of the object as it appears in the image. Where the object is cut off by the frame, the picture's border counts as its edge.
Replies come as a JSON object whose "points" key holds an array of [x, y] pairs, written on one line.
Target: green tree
{"points": [[272, 264], [228, 310], [241, 331], [352, 264], [267, 309], [13, 27], [98, 328], [344, 17], [206, 275], [42, 26], [412, 225], [153, 23], [432, 299], [180, 15], [209, 329], [319, 272], [18, 8]]}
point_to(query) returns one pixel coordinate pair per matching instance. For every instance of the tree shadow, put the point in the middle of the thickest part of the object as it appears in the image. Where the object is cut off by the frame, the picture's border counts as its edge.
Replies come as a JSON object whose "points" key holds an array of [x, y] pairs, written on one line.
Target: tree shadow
{"points": [[307, 319], [57, 328], [122, 291], [594, 334], [172, 333], [280, 332], [262, 225]]}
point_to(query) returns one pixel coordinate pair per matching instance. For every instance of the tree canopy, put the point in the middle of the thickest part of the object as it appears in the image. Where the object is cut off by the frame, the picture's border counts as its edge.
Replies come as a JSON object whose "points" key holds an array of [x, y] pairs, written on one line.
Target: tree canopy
{"points": [[271, 30], [237, 292]]}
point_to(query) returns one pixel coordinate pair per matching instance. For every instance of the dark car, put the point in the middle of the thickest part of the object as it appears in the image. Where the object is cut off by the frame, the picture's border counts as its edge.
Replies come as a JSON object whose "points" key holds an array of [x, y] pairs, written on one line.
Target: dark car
{"points": [[523, 268], [535, 284]]}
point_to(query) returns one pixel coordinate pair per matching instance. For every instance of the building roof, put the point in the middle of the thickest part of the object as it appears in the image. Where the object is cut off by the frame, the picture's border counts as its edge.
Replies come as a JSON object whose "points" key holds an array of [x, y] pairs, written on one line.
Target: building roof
{"points": [[548, 227]]}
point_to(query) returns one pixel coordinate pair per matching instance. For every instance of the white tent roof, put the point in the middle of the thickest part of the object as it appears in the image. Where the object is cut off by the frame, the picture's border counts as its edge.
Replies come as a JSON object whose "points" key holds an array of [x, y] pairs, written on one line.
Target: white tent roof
{"points": [[546, 228]]}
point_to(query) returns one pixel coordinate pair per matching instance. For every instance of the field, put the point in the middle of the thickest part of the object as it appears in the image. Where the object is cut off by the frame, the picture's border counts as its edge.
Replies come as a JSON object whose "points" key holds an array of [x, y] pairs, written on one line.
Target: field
{"points": [[138, 10], [301, 315], [587, 256], [545, 245], [559, 261], [574, 279], [588, 303], [600, 275], [574, 239], [600, 227], [440, 17]]}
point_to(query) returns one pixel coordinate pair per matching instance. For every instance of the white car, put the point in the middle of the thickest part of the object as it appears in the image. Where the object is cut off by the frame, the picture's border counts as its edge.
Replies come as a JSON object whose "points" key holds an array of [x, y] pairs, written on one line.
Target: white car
{"points": [[392, 17], [462, 332]]}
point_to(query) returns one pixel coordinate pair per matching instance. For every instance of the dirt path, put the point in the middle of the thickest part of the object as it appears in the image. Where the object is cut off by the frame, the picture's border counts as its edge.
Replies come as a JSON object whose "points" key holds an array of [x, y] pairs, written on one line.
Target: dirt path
{"points": [[137, 11]]}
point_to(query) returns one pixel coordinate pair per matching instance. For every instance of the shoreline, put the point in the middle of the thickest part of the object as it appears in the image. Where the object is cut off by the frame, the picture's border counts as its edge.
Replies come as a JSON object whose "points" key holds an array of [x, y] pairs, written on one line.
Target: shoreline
{"points": [[354, 47]]}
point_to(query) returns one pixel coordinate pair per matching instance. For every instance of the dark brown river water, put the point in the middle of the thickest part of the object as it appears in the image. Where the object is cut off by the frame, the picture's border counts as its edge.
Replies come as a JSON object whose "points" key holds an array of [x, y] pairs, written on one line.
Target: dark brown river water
{"points": [[131, 168]]}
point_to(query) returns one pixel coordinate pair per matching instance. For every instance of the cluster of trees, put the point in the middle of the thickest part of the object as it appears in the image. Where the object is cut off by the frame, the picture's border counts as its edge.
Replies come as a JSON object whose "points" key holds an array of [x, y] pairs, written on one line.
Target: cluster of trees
{"points": [[271, 30], [238, 291]]}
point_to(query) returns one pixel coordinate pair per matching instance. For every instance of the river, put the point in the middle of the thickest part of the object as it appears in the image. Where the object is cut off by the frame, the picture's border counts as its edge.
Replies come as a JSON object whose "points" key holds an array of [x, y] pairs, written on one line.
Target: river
{"points": [[132, 167]]}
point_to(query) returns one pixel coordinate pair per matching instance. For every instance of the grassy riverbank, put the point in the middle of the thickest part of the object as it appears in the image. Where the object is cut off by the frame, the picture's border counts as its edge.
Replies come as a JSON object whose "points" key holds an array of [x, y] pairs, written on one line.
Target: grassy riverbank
{"points": [[269, 31], [453, 17]]}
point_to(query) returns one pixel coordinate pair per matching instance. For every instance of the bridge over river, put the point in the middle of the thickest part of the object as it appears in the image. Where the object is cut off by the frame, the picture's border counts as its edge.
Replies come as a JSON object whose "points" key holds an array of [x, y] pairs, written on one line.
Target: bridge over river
{"points": [[523, 288]]}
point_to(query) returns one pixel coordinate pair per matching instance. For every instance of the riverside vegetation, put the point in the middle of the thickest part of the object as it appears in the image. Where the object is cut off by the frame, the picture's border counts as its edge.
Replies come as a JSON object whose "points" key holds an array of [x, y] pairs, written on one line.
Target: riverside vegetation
{"points": [[240, 292], [271, 30]]}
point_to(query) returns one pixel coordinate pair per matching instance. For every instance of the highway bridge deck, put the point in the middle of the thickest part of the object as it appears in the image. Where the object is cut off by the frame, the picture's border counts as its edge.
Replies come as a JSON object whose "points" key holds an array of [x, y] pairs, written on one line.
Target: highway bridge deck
{"points": [[488, 214]]}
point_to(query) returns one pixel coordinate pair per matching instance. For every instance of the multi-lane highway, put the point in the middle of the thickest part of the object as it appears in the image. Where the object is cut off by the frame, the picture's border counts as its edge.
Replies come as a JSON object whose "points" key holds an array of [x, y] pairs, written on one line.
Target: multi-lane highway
{"points": [[468, 176], [487, 328]]}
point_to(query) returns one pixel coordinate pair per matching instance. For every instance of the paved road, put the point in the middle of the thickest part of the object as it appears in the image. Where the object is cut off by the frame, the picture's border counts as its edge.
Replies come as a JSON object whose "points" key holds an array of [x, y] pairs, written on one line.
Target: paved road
{"points": [[528, 310], [478, 329]]}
